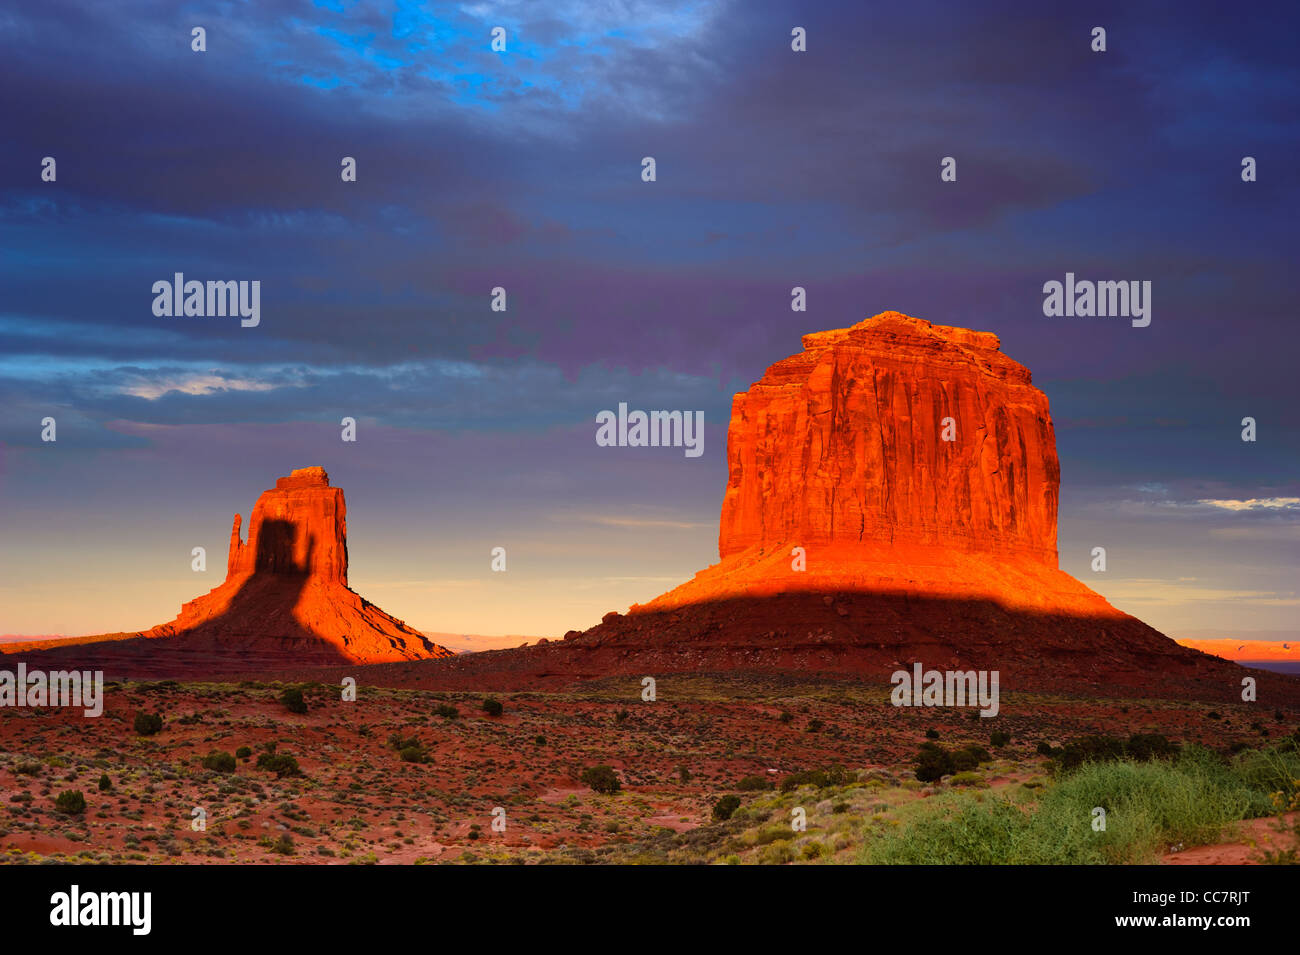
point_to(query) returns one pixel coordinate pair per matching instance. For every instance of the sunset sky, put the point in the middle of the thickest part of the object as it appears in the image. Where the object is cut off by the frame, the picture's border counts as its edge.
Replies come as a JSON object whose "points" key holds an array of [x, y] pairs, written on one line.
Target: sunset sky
{"points": [[522, 169]]}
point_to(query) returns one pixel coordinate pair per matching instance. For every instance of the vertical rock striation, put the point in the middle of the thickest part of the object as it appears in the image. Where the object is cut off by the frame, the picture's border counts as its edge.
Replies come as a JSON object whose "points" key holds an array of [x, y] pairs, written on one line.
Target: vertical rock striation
{"points": [[844, 443], [899, 457]]}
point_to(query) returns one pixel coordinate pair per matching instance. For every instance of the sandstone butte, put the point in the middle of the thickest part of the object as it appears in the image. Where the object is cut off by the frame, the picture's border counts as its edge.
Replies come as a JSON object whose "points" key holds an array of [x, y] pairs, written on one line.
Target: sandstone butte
{"points": [[915, 548], [840, 450], [285, 601]]}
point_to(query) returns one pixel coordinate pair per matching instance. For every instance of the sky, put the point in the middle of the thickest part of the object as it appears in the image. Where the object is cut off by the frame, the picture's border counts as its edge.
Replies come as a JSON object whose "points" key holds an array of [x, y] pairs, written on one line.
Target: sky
{"points": [[522, 169]]}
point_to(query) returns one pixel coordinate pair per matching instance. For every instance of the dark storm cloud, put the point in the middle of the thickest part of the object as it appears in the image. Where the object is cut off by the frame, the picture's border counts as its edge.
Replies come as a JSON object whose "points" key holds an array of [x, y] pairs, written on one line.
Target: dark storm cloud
{"points": [[775, 169]]}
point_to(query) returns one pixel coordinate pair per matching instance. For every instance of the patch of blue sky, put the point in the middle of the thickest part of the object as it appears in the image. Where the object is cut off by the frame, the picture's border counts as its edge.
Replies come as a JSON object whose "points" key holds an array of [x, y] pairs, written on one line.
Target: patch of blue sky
{"points": [[363, 44], [438, 41], [321, 82]]}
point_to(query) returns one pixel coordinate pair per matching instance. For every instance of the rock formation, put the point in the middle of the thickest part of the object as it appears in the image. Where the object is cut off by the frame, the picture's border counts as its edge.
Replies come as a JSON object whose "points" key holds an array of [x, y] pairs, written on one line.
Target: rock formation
{"points": [[288, 585], [285, 602], [894, 431], [898, 457], [891, 496]]}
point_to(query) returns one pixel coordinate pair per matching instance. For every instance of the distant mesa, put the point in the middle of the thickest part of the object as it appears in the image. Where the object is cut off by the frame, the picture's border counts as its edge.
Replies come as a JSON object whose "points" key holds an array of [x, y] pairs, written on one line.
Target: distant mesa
{"points": [[285, 601]]}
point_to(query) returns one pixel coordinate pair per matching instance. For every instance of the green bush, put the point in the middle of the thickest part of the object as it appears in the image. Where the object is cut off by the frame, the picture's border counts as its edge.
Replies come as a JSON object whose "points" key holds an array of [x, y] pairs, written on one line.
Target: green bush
{"points": [[1141, 747], [1271, 770], [969, 757], [281, 764], [219, 762], [105, 784], [753, 783], [933, 762], [602, 779], [243, 752], [414, 754], [725, 807], [1145, 747], [293, 700], [1089, 749], [492, 707], [834, 775], [72, 802], [146, 724], [447, 711], [1149, 806], [778, 853], [999, 738]]}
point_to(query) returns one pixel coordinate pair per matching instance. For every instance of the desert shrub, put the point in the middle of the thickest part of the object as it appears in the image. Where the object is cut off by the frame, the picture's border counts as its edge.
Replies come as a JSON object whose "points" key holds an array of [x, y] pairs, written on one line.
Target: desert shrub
{"points": [[293, 700], [27, 768], [447, 711], [243, 752], [282, 764], [492, 707], [621, 716], [105, 784], [932, 734], [283, 845], [933, 762], [602, 779], [683, 774], [967, 779], [786, 716], [813, 850], [778, 853], [834, 775], [1141, 747], [1275, 769], [725, 807], [753, 783], [1144, 747], [71, 801], [414, 754], [1089, 749], [539, 740], [1149, 806], [969, 757], [999, 738], [1044, 748], [815, 725], [219, 761], [146, 724]]}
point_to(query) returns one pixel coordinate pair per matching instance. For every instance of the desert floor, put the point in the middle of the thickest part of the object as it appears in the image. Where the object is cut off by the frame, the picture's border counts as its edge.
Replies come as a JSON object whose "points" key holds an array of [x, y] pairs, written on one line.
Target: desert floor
{"points": [[357, 800]]}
